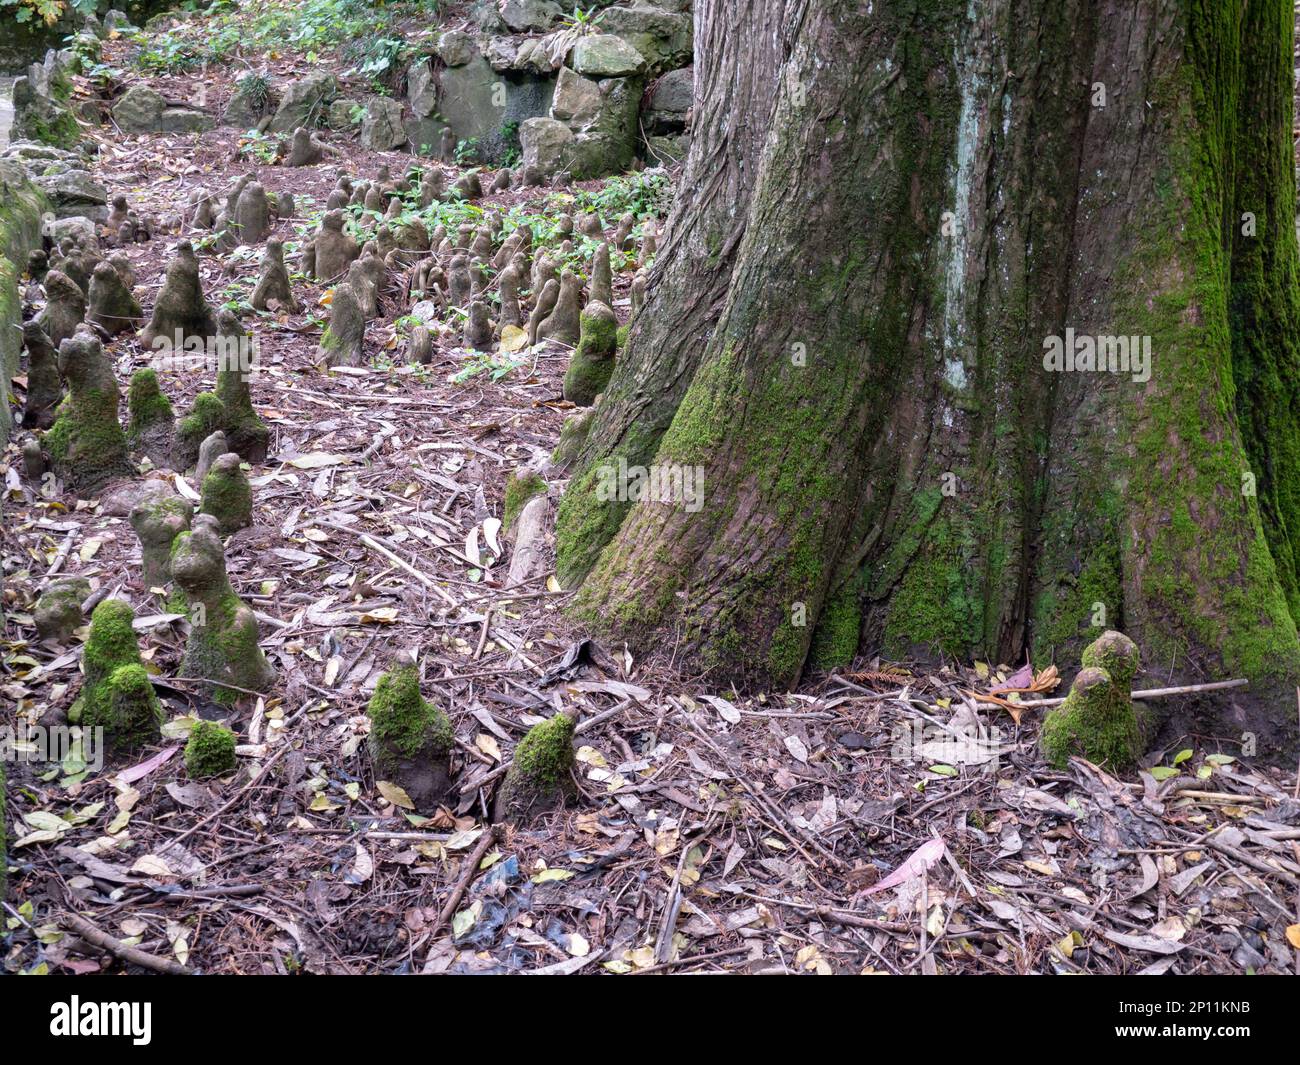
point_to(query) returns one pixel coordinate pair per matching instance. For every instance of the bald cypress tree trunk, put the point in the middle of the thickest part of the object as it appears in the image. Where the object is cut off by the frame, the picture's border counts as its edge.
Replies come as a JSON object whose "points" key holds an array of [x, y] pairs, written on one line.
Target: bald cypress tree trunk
{"points": [[954, 212], [740, 47]]}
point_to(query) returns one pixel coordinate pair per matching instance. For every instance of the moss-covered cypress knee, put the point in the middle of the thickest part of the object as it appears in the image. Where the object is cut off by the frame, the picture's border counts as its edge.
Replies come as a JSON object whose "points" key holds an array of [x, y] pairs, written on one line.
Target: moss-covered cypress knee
{"points": [[86, 442], [58, 610], [207, 416], [44, 386], [592, 364], [146, 405], [210, 751], [157, 520], [127, 710], [573, 434], [410, 738], [110, 304], [222, 647], [110, 645], [540, 778], [151, 424], [343, 342], [246, 433], [180, 313], [521, 486], [227, 495], [1098, 719]]}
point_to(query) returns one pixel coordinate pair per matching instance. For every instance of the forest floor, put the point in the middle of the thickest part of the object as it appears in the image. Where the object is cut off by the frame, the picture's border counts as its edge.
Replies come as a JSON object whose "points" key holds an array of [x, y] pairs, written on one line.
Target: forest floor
{"points": [[770, 833]]}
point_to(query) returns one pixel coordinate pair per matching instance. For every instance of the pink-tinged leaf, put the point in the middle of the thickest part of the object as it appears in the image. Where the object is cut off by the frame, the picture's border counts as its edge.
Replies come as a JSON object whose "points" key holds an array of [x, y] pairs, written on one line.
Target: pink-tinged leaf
{"points": [[136, 772], [917, 863], [1021, 679]]}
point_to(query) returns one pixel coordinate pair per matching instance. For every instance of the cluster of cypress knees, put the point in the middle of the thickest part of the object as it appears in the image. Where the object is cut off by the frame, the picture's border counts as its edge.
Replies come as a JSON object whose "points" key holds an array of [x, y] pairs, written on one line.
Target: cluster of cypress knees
{"points": [[79, 437]]}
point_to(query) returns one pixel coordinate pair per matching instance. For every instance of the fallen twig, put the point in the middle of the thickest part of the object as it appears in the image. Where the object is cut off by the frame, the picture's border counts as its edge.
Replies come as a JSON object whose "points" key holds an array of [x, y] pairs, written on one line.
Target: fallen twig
{"points": [[466, 875], [133, 955]]}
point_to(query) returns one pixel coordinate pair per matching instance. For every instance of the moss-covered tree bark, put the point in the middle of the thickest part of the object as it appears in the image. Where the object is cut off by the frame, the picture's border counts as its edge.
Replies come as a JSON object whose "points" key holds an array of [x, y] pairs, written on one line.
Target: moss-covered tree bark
{"points": [[740, 46], [890, 461]]}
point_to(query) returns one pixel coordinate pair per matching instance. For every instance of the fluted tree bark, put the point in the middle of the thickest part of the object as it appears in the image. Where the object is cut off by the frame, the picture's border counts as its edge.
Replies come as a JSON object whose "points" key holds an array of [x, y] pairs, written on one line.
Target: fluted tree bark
{"points": [[935, 210]]}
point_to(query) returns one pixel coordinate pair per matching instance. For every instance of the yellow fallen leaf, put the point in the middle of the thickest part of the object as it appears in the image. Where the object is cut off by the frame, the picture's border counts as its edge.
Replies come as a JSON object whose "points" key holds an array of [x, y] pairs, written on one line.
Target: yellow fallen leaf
{"points": [[316, 459], [513, 338], [488, 745], [547, 875], [1293, 935], [394, 794], [152, 865]]}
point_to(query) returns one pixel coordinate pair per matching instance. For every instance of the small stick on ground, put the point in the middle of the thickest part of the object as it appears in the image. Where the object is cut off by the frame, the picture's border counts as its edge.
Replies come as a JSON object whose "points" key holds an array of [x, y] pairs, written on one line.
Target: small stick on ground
{"points": [[393, 557], [132, 955], [1149, 693], [466, 875]]}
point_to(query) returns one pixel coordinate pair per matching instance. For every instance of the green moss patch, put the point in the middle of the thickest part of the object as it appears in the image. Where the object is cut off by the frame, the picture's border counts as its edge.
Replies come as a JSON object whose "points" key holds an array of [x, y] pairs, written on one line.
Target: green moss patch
{"points": [[210, 751]]}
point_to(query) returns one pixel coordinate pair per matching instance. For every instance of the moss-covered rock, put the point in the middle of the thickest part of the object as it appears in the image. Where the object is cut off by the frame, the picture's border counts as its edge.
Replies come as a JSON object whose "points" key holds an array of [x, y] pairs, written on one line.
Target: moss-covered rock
{"points": [[1098, 719], [410, 738], [227, 495], [58, 610], [540, 778], [210, 751], [222, 646], [21, 206], [521, 486], [592, 364], [43, 117]]}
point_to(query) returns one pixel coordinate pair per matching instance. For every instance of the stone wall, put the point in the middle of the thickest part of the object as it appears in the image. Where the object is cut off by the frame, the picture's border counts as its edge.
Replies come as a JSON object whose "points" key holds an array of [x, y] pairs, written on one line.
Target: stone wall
{"points": [[567, 97], [522, 83], [21, 205]]}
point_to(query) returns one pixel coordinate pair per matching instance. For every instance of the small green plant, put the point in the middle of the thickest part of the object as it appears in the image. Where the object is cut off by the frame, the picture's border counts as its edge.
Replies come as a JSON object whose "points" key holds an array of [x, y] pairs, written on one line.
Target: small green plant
{"points": [[86, 51], [378, 59], [485, 363], [260, 146], [172, 54], [509, 133], [47, 11], [256, 89], [467, 152], [582, 20], [645, 194]]}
